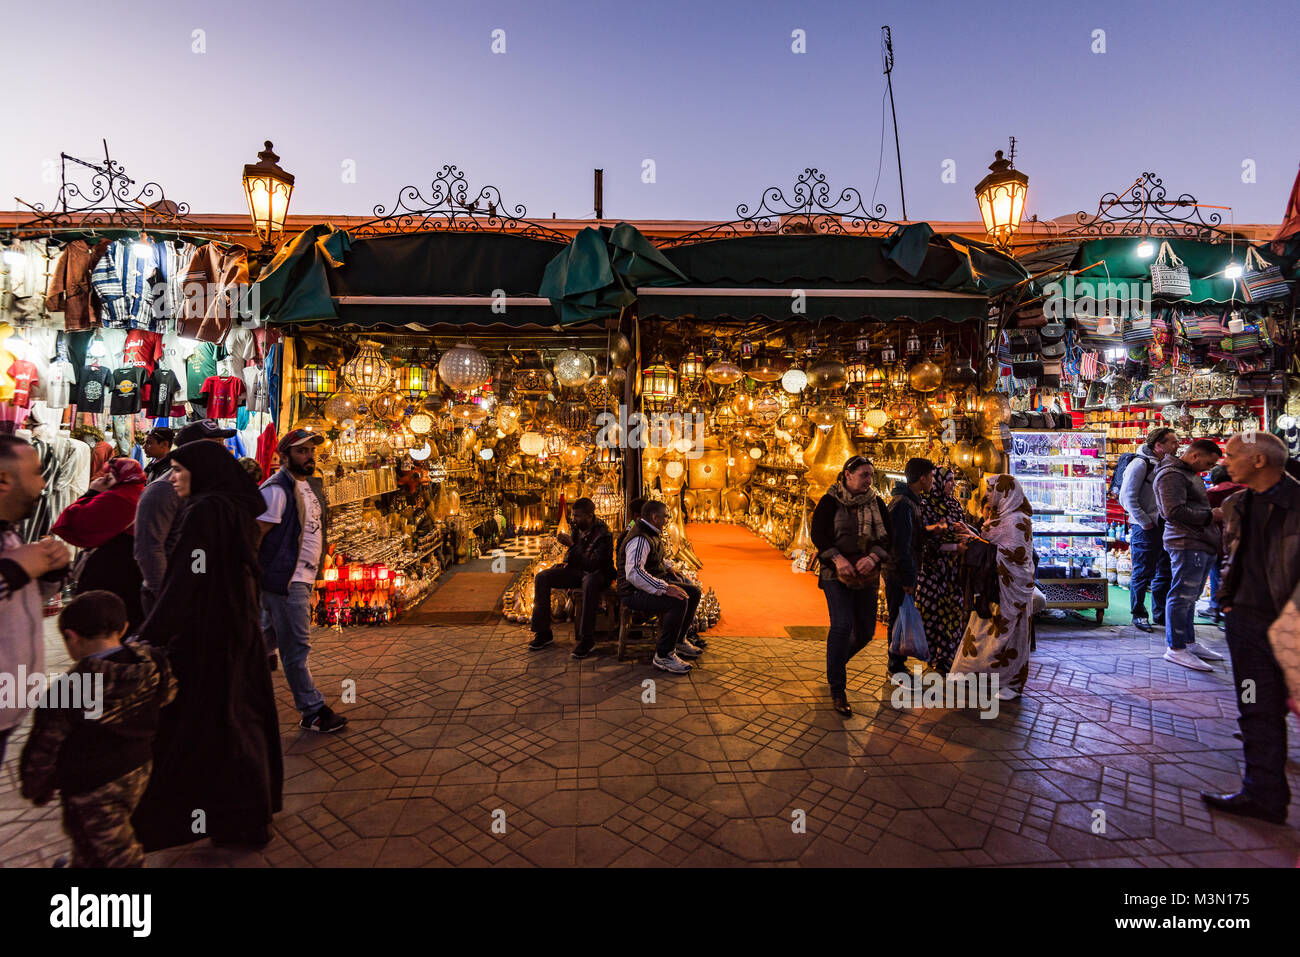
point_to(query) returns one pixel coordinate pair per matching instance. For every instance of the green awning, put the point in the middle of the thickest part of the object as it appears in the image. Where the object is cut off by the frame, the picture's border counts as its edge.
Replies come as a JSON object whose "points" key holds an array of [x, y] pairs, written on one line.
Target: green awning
{"points": [[598, 274], [1117, 261]]}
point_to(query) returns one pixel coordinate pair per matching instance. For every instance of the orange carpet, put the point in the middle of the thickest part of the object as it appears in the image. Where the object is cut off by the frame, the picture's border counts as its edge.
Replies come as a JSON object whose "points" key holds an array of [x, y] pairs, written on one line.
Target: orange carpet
{"points": [[759, 594]]}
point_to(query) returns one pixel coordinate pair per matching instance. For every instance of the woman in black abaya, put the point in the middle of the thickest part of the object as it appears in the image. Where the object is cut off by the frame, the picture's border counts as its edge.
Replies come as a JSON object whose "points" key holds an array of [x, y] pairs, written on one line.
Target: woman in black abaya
{"points": [[218, 744]]}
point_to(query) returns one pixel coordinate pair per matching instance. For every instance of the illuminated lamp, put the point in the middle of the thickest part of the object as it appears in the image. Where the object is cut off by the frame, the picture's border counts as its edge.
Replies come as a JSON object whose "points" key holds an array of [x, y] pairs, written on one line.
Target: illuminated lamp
{"points": [[419, 454], [1001, 197], [658, 383], [794, 380], [485, 454], [573, 368], [267, 188], [692, 367], [414, 382], [464, 368], [366, 373], [674, 469], [387, 405], [855, 369], [768, 366], [875, 418], [724, 372], [555, 443], [350, 453], [421, 423], [316, 381], [532, 443]]}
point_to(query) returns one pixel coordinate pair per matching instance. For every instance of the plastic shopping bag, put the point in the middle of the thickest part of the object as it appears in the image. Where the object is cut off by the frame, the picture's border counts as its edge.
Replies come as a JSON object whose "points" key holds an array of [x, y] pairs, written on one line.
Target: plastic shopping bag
{"points": [[907, 637]]}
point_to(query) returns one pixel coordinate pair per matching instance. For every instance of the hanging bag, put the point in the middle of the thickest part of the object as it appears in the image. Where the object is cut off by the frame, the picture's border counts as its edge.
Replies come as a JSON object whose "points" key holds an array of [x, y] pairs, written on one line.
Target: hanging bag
{"points": [[1261, 280], [1169, 276], [907, 637]]}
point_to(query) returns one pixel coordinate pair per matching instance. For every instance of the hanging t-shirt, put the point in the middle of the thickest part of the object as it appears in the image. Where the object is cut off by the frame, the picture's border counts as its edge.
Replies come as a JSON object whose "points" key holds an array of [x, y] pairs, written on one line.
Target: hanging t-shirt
{"points": [[162, 395], [126, 390], [255, 382], [310, 550], [25, 377], [142, 348], [199, 367], [236, 445], [59, 382], [241, 344], [93, 388], [223, 394]]}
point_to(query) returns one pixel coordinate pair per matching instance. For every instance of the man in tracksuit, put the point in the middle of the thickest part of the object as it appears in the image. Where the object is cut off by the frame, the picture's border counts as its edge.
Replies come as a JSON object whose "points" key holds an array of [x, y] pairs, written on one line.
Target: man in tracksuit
{"points": [[648, 582], [1147, 529], [906, 537]]}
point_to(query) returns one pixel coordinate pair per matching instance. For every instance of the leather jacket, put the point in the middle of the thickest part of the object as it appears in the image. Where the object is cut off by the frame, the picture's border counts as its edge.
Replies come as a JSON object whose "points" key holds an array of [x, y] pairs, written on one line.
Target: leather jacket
{"points": [[1282, 564]]}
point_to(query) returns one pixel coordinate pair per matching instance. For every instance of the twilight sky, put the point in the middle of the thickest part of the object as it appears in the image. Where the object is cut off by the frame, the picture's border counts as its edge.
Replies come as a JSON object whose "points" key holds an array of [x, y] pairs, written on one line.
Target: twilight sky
{"points": [[710, 90]]}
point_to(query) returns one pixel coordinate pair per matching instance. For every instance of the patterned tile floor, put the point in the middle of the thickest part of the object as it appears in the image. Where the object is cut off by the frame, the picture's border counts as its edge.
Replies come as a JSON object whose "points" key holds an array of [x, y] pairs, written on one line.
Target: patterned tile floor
{"points": [[465, 749]]}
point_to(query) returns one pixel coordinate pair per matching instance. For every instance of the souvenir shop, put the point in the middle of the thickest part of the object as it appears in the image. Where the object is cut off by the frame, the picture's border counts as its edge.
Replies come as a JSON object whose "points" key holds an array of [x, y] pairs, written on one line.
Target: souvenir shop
{"points": [[105, 334]]}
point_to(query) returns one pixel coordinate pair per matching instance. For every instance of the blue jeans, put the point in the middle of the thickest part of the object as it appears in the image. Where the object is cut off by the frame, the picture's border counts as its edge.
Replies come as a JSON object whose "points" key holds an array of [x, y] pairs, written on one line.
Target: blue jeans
{"points": [[1190, 571], [894, 595], [853, 624], [286, 622], [1151, 570], [1214, 586]]}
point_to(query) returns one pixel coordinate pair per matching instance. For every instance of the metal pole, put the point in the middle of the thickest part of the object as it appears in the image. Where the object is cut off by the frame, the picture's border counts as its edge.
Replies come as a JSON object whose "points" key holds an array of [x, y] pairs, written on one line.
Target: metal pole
{"points": [[889, 82], [600, 193]]}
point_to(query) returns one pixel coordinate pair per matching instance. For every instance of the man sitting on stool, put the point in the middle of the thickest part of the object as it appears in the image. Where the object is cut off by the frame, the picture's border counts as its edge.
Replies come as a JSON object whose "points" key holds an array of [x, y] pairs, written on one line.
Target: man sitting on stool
{"points": [[648, 582], [589, 564]]}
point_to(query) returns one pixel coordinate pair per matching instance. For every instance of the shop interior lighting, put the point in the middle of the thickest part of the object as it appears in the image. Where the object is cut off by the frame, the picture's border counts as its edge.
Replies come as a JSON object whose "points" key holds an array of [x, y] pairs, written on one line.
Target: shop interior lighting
{"points": [[1233, 271], [1146, 249]]}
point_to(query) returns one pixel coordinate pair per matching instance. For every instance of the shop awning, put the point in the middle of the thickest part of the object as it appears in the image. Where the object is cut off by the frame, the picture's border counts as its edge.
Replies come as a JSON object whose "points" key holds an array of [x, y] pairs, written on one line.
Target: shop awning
{"points": [[1117, 261], [598, 274], [913, 274], [409, 281]]}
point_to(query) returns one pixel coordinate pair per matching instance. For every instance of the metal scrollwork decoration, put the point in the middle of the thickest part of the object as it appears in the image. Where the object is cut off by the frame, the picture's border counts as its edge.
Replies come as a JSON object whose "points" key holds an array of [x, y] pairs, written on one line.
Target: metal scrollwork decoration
{"points": [[449, 207], [812, 208], [110, 199], [1145, 209]]}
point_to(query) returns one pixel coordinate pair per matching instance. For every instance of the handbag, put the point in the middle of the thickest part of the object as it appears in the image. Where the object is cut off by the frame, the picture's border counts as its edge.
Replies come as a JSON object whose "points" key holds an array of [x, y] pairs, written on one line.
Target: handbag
{"points": [[1169, 276], [1138, 331], [1260, 280]]}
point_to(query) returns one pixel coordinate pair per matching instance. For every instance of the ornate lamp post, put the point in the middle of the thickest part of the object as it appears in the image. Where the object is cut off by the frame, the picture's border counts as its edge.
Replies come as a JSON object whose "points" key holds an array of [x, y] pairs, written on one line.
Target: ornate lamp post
{"points": [[1001, 197], [268, 189]]}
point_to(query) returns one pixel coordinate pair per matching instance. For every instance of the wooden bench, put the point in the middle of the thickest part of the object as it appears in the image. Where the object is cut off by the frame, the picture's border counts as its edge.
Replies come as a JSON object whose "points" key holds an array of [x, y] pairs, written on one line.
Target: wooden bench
{"points": [[639, 626]]}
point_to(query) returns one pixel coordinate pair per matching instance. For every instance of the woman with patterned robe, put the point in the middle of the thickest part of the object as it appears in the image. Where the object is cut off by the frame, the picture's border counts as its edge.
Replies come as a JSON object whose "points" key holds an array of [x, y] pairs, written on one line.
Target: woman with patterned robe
{"points": [[999, 644], [938, 591]]}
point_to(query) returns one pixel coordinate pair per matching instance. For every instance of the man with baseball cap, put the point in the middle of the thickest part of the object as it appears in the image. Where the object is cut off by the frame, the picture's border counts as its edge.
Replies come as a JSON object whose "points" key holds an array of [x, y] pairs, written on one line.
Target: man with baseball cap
{"points": [[292, 545], [156, 524]]}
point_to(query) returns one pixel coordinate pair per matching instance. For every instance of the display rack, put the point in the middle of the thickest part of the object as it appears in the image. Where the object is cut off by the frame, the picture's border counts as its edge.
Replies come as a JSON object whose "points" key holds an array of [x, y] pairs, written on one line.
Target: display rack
{"points": [[1063, 474]]}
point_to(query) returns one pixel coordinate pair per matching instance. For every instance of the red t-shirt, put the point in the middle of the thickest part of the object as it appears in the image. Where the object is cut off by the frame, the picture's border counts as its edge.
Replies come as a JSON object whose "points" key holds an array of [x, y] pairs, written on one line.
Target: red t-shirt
{"points": [[24, 376], [143, 348], [224, 393]]}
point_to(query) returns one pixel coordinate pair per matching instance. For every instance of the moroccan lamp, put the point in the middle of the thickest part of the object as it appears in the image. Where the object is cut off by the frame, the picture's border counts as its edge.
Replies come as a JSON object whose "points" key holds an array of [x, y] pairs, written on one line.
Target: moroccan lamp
{"points": [[1001, 196]]}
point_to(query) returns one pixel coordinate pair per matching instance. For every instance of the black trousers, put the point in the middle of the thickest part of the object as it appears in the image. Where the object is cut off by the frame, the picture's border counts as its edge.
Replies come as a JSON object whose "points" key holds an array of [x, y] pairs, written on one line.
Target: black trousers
{"points": [[853, 624], [675, 616], [894, 596], [1263, 719], [593, 585]]}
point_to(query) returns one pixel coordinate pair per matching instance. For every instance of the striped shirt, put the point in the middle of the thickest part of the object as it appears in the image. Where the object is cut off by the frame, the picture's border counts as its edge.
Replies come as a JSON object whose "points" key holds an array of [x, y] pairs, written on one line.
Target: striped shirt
{"points": [[638, 550], [120, 279]]}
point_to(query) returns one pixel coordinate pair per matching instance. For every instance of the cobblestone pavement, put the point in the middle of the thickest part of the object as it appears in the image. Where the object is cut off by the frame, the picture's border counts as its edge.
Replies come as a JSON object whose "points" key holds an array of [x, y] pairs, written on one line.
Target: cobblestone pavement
{"points": [[453, 726]]}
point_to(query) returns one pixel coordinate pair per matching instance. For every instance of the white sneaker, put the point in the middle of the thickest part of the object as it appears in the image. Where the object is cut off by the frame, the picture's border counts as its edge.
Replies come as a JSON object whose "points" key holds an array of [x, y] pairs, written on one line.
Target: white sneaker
{"points": [[685, 649], [672, 664], [1205, 654], [1184, 657], [1008, 694]]}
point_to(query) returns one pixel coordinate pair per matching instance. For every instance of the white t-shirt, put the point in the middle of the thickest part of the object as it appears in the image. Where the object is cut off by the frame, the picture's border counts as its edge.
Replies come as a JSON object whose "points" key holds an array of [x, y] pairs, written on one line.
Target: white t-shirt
{"points": [[309, 554], [58, 384], [255, 383]]}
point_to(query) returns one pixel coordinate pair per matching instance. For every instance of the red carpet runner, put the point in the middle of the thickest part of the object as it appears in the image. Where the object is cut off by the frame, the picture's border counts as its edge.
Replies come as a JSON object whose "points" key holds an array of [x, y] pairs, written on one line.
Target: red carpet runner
{"points": [[758, 592]]}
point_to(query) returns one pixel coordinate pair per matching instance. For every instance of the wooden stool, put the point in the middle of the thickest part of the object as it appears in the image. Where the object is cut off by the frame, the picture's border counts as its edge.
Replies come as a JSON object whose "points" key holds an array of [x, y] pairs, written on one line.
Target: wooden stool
{"points": [[638, 625], [605, 624]]}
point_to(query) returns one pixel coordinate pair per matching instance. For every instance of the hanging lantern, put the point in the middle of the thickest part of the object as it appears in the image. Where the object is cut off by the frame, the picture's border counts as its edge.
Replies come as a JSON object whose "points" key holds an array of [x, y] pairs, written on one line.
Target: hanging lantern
{"points": [[316, 381], [1001, 197], [925, 376], [913, 347], [887, 354], [370, 435], [387, 406], [554, 443], [422, 452], [937, 346], [414, 382], [743, 405], [433, 402], [572, 414], [532, 443], [658, 384], [724, 372], [508, 418], [464, 368], [827, 372], [340, 407], [468, 413], [767, 407], [692, 367], [620, 350], [825, 416], [350, 453], [875, 418], [366, 373], [855, 369], [768, 366], [573, 368], [875, 381], [609, 504], [421, 423], [852, 411], [794, 381]]}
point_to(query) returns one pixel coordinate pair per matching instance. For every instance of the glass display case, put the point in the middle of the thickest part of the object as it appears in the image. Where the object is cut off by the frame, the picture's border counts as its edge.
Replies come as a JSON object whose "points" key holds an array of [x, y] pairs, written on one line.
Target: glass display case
{"points": [[1064, 478]]}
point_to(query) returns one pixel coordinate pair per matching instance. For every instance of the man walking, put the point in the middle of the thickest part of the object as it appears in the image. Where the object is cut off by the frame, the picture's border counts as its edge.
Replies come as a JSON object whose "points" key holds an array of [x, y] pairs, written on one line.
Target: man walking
{"points": [[589, 565], [648, 582], [1146, 534], [157, 523], [29, 574], [1192, 538], [906, 538], [292, 544], [158, 445], [1262, 542]]}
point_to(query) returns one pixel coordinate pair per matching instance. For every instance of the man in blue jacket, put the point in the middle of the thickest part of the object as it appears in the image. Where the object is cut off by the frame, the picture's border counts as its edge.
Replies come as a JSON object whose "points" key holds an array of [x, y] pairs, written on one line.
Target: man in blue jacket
{"points": [[292, 545], [907, 535]]}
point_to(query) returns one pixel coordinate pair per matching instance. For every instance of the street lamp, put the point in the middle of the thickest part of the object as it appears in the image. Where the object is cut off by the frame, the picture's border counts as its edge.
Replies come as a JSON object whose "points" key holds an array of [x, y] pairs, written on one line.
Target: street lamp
{"points": [[1001, 196], [268, 189]]}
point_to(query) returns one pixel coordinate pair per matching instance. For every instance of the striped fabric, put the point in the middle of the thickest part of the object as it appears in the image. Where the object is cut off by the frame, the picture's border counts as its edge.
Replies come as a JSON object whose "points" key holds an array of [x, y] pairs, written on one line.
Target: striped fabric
{"points": [[120, 279]]}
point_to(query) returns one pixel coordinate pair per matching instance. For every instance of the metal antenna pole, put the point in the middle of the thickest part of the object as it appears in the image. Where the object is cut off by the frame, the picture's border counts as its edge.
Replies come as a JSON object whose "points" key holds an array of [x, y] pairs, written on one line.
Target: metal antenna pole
{"points": [[888, 41]]}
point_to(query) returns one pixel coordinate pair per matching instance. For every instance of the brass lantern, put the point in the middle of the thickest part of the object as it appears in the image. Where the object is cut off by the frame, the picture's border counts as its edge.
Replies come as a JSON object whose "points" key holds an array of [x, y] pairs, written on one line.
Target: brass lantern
{"points": [[267, 188], [414, 382], [724, 372], [658, 384], [1001, 196], [768, 366], [317, 381], [855, 369], [692, 369], [366, 373]]}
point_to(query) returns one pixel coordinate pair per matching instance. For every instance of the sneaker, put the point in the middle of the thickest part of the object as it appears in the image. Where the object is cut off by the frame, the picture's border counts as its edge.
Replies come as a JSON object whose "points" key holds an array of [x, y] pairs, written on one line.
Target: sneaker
{"points": [[541, 641], [1205, 654], [583, 648], [697, 641], [1008, 694], [685, 649], [1184, 657], [1141, 624], [323, 721], [672, 664]]}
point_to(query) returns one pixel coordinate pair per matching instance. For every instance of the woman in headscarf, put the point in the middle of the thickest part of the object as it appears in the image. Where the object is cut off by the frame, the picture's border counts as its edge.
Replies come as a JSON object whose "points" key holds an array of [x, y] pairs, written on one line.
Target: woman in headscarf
{"points": [[218, 744], [938, 595], [999, 644], [851, 536], [103, 522]]}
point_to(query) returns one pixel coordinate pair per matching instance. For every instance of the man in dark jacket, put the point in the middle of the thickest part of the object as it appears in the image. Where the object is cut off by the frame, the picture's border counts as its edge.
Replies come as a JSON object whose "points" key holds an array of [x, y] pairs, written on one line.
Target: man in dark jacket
{"points": [[1147, 529], [589, 565], [1261, 539], [1192, 540], [906, 537]]}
